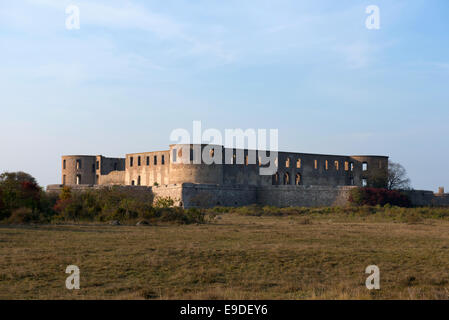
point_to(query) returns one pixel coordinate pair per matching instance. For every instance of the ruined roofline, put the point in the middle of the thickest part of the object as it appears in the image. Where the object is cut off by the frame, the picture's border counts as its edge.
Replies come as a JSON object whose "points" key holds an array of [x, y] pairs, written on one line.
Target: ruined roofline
{"points": [[90, 155], [304, 153], [368, 156], [82, 155], [134, 153]]}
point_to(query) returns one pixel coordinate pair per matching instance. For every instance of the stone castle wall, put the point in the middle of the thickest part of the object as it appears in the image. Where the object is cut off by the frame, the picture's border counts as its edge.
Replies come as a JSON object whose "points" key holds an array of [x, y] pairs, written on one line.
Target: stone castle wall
{"points": [[205, 195], [303, 196], [428, 198]]}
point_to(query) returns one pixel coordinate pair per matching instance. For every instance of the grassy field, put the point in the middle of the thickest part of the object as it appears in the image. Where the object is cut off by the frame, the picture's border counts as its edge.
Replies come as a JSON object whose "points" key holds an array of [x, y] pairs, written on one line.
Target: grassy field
{"points": [[232, 257]]}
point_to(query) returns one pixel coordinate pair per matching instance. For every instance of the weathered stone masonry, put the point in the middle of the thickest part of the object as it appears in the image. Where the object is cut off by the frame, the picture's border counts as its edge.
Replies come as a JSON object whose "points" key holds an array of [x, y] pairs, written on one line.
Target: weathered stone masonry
{"points": [[301, 179]]}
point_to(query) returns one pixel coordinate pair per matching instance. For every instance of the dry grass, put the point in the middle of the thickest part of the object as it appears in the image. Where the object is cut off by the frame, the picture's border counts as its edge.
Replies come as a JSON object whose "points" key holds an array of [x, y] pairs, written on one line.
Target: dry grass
{"points": [[236, 257]]}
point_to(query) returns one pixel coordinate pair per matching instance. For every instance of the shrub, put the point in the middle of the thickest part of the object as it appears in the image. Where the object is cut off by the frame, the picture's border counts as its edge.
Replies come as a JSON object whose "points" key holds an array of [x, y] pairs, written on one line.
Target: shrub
{"points": [[23, 215], [163, 202], [121, 204], [376, 196]]}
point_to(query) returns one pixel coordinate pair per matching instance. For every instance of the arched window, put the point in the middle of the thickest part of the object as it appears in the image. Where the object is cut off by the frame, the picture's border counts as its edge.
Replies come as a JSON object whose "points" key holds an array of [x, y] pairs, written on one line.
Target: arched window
{"points": [[298, 179], [138, 180], [336, 165], [326, 165], [298, 163], [78, 179], [286, 178], [365, 166], [287, 163]]}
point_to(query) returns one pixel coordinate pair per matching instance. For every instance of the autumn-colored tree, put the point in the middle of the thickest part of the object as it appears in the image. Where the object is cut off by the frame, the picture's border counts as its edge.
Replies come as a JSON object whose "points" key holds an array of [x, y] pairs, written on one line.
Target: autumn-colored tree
{"points": [[18, 189]]}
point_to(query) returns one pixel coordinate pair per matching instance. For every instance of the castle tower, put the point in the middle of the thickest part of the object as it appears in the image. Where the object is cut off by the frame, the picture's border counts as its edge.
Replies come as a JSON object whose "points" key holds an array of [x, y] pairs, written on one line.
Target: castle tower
{"points": [[78, 169]]}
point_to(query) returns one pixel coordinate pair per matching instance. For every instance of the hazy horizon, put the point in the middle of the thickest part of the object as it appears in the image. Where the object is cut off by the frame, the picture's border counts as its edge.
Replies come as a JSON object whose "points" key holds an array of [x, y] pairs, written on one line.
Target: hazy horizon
{"points": [[136, 70]]}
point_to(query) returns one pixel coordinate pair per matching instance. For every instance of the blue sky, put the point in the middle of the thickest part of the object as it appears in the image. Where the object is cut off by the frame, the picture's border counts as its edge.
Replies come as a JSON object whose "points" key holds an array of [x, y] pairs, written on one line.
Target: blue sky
{"points": [[136, 70]]}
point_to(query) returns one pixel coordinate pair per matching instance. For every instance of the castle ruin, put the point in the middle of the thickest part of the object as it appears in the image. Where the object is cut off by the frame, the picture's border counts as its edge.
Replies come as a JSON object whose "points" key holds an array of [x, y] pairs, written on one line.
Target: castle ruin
{"points": [[300, 179]]}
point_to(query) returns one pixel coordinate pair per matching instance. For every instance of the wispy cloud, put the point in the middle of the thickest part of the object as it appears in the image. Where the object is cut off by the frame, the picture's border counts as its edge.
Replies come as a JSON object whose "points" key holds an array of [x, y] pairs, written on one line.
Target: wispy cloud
{"points": [[126, 15]]}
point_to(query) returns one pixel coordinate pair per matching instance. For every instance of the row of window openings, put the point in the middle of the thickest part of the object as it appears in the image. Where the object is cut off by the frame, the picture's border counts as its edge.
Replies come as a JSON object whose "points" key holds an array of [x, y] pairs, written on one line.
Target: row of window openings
{"points": [[95, 166], [286, 179], [78, 179], [348, 165], [139, 162]]}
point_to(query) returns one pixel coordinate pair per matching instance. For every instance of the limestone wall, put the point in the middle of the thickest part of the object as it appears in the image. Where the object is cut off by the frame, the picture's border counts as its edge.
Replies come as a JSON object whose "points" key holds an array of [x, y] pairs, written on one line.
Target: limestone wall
{"points": [[303, 196], [441, 200], [147, 168], [202, 195], [206, 195], [112, 178], [428, 198], [173, 191]]}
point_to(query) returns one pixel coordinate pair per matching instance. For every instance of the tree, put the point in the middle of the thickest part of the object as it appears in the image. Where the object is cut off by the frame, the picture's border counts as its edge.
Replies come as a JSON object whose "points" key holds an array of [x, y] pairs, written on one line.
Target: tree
{"points": [[397, 177], [18, 189], [393, 179], [16, 178]]}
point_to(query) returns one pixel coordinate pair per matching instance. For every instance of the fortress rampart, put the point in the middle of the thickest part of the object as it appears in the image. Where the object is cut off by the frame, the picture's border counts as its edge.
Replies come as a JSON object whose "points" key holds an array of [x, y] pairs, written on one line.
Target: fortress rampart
{"points": [[299, 179]]}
